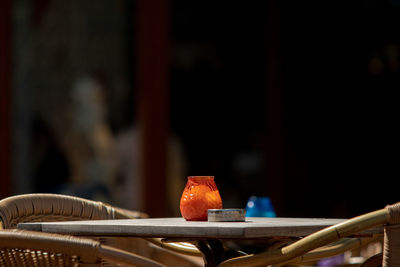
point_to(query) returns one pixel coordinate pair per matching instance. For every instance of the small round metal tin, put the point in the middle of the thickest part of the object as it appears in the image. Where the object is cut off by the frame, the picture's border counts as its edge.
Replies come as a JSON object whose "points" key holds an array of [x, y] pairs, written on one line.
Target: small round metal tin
{"points": [[226, 215]]}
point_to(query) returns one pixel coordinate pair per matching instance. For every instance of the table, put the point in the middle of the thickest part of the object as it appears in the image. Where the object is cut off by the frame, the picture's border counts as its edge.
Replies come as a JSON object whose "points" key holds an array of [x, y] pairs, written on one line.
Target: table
{"points": [[178, 227], [207, 236]]}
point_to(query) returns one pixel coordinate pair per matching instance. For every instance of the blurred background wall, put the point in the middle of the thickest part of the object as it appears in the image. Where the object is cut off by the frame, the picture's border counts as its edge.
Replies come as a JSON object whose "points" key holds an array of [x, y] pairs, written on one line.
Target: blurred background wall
{"points": [[121, 100]]}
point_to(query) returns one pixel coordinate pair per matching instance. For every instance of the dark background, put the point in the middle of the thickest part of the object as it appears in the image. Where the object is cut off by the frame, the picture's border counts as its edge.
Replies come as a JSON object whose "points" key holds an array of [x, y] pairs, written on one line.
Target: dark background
{"points": [[292, 100], [338, 118]]}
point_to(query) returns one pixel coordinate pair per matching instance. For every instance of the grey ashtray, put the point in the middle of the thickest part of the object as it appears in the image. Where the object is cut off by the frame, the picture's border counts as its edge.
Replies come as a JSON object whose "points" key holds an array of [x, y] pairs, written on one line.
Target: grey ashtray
{"points": [[226, 215]]}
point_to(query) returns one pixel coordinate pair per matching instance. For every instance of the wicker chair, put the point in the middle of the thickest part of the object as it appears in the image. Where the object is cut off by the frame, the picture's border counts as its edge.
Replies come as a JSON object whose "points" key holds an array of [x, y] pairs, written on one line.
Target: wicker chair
{"points": [[53, 207], [56, 207], [346, 232], [28, 248]]}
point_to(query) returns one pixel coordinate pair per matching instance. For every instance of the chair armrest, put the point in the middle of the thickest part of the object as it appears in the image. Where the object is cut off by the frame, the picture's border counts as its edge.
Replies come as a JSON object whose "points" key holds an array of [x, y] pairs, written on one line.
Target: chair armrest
{"points": [[51, 207], [313, 241]]}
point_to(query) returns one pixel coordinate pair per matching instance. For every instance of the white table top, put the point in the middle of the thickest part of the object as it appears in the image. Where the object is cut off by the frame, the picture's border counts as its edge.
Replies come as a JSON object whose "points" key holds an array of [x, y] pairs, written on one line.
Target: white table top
{"points": [[178, 227]]}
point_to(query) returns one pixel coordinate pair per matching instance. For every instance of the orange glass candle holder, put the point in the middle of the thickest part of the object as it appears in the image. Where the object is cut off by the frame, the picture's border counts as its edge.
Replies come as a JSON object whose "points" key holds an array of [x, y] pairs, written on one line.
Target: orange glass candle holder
{"points": [[199, 195]]}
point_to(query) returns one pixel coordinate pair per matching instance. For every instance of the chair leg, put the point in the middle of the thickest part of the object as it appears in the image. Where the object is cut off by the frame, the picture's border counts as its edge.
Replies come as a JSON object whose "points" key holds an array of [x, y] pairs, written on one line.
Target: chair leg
{"points": [[391, 246]]}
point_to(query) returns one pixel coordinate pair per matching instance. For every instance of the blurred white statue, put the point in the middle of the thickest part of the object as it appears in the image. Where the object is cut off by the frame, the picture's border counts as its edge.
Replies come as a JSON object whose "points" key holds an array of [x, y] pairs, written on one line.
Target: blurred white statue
{"points": [[127, 189]]}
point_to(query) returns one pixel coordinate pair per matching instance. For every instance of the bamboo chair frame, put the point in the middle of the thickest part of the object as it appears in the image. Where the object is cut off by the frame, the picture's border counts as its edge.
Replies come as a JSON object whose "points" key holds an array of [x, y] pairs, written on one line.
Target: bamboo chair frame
{"points": [[335, 248], [29, 248], [389, 217], [56, 207]]}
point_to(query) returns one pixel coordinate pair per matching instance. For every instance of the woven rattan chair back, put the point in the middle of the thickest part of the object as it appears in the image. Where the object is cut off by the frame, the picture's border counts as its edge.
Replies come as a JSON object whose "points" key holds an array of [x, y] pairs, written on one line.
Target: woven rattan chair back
{"points": [[31, 249], [54, 207]]}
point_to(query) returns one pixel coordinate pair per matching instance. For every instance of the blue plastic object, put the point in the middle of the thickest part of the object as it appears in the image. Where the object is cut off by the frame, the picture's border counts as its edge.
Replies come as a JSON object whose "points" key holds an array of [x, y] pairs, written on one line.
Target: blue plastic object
{"points": [[259, 206]]}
